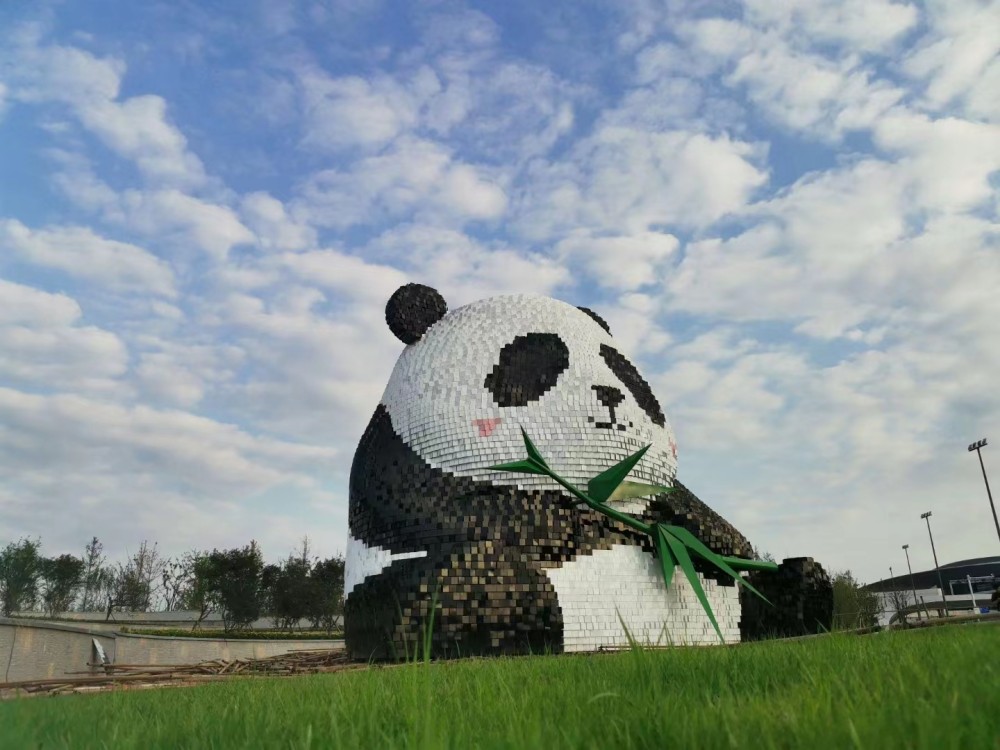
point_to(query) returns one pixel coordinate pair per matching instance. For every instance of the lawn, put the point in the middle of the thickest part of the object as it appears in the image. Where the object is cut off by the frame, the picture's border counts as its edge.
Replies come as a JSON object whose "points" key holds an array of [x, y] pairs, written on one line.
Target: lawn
{"points": [[936, 688]]}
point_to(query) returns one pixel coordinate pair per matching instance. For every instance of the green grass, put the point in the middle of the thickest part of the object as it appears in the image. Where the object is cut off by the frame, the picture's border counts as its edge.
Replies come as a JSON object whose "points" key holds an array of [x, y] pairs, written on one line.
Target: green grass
{"points": [[934, 689], [272, 635]]}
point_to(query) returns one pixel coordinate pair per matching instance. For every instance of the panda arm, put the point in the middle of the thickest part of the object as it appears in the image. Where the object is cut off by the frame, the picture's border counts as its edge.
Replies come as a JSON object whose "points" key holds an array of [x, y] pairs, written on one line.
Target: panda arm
{"points": [[683, 508]]}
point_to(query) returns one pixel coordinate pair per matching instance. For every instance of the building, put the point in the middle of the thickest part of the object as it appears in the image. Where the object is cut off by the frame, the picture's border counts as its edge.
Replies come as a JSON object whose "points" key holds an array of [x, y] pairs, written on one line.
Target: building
{"points": [[964, 581]]}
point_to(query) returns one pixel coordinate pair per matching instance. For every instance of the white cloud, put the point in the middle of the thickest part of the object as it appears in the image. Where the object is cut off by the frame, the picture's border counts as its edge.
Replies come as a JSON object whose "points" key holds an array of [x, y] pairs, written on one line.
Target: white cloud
{"points": [[136, 128], [807, 92], [275, 229], [184, 220], [634, 321], [949, 160], [627, 181], [803, 92], [503, 111], [777, 55], [128, 473], [43, 344], [842, 253], [348, 112], [958, 57], [80, 252], [24, 304], [414, 176], [463, 269], [346, 274], [862, 25], [210, 456], [455, 83], [621, 262], [309, 374], [174, 218]]}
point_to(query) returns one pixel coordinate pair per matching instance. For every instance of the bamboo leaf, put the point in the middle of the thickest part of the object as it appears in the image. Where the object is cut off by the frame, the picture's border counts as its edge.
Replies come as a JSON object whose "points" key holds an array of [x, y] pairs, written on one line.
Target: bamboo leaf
{"points": [[525, 466], [689, 540], [627, 490], [533, 454], [681, 553], [667, 560], [601, 487]]}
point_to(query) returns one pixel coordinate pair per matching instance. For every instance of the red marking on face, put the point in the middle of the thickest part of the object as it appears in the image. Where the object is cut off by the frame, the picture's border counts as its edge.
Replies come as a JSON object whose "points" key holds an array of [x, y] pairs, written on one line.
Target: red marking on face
{"points": [[673, 448], [486, 426]]}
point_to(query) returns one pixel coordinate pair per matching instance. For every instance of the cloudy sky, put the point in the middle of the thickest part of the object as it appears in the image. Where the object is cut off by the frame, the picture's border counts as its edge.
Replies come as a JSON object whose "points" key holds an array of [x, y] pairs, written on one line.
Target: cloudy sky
{"points": [[786, 210]]}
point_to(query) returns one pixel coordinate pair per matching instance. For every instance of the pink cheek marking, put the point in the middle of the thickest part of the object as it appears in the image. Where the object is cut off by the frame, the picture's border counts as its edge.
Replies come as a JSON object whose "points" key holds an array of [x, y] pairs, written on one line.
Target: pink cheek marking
{"points": [[486, 426]]}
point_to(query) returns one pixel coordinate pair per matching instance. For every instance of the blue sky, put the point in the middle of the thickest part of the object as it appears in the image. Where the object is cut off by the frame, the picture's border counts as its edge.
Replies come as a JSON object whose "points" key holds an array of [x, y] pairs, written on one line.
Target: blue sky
{"points": [[787, 211]]}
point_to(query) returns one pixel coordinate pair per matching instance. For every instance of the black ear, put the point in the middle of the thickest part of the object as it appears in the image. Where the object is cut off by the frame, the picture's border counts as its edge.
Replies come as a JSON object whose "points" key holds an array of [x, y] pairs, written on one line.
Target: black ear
{"points": [[597, 318], [412, 309]]}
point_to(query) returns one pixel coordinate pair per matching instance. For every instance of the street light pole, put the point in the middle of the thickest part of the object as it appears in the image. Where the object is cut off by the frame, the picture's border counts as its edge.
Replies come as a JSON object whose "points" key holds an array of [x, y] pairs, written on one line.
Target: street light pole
{"points": [[906, 549], [927, 517], [977, 446]]}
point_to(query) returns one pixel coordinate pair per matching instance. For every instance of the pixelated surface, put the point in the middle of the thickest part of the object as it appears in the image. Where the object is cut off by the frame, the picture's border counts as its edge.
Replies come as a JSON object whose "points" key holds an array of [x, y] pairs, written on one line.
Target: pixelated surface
{"points": [[509, 559], [412, 309], [597, 318], [437, 393], [600, 591], [801, 597]]}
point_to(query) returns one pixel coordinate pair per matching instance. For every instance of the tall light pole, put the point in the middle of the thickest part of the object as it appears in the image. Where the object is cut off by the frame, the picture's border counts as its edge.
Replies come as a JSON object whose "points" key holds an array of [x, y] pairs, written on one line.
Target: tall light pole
{"points": [[927, 517], [906, 549], [977, 446]]}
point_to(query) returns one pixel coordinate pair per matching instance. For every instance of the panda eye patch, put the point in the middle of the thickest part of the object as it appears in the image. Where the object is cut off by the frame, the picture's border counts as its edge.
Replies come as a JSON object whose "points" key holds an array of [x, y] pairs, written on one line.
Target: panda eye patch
{"points": [[626, 372], [529, 366]]}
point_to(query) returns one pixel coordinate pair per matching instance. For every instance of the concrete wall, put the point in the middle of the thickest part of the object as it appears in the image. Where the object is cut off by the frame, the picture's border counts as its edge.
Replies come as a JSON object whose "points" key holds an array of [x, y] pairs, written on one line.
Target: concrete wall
{"points": [[152, 649], [32, 650]]}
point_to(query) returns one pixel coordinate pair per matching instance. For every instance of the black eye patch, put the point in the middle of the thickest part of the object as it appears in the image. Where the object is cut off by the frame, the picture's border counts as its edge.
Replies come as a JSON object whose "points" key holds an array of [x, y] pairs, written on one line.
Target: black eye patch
{"points": [[625, 371], [529, 366]]}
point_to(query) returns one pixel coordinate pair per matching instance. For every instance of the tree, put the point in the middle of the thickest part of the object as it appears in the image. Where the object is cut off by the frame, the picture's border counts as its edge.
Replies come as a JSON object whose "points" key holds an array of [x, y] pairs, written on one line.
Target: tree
{"points": [[198, 593], [327, 593], [853, 606], [290, 592], [762, 555], [899, 600], [94, 575], [136, 583], [233, 578], [62, 578], [20, 570], [290, 588], [133, 586], [177, 578], [268, 579]]}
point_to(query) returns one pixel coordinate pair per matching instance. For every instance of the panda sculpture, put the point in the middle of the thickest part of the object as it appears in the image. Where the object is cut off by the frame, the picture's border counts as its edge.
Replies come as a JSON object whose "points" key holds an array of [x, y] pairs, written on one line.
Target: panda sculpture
{"points": [[511, 563]]}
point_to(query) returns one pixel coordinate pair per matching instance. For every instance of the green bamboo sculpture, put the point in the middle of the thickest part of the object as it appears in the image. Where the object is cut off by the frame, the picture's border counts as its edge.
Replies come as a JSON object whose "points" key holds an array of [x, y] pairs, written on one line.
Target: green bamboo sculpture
{"points": [[674, 544]]}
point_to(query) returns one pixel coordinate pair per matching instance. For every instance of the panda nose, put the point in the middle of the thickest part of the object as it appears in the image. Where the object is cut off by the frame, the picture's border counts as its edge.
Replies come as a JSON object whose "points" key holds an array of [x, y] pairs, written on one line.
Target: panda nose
{"points": [[608, 395]]}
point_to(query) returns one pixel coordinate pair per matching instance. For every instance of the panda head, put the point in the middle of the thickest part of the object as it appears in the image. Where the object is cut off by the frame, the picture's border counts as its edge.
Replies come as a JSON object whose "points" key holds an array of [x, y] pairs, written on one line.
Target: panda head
{"points": [[470, 379]]}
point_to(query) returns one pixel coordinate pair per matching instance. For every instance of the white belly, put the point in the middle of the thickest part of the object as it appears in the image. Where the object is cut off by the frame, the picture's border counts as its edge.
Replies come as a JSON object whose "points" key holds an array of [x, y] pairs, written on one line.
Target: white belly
{"points": [[597, 592]]}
